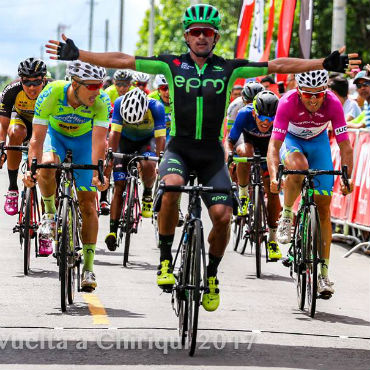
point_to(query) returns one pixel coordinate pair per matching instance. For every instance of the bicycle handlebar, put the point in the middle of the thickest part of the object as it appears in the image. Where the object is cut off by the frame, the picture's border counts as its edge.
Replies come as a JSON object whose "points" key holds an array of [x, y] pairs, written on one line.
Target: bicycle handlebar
{"points": [[255, 159], [67, 166], [19, 148], [311, 173]]}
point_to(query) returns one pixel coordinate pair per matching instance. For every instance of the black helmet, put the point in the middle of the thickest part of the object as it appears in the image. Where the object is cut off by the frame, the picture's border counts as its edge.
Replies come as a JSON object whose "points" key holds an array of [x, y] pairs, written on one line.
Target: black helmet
{"points": [[251, 89], [32, 67], [265, 103]]}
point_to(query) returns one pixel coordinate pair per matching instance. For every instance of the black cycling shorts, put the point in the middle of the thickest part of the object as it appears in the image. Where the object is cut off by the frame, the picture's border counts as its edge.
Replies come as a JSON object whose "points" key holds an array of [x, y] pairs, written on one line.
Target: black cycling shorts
{"points": [[205, 158]]}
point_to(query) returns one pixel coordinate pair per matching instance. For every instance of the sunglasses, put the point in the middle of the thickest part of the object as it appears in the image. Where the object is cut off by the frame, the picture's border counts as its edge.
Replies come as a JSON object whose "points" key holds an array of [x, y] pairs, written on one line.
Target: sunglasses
{"points": [[197, 31], [143, 84], [163, 87], [91, 87], [309, 95], [123, 84], [261, 117], [364, 84], [32, 83]]}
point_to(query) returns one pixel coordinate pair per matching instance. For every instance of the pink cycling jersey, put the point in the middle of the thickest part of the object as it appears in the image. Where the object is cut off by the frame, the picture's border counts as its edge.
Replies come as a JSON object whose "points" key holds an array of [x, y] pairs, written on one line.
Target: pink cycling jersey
{"points": [[293, 117]]}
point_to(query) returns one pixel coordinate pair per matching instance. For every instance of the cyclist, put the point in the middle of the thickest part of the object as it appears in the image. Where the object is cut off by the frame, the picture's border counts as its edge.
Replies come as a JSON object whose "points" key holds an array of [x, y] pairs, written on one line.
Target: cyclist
{"points": [[17, 104], [201, 89], [138, 125], [301, 138], [162, 94], [72, 115], [141, 81], [255, 123], [121, 84]]}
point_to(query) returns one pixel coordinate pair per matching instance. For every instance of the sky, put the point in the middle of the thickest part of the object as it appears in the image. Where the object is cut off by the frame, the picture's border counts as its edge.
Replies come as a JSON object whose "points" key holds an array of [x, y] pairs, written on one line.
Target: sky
{"points": [[27, 25]]}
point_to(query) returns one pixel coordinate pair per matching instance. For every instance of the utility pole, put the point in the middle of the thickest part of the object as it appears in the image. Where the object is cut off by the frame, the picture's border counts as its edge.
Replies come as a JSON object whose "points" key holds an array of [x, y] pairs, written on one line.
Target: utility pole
{"points": [[338, 38], [151, 29], [42, 52], [91, 23], [106, 34], [121, 14], [60, 29]]}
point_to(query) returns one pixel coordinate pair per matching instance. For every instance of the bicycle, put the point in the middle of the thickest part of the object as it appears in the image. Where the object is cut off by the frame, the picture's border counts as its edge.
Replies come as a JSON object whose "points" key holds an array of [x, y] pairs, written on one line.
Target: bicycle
{"points": [[131, 209], [255, 222], [68, 225], [190, 261], [28, 214], [306, 241]]}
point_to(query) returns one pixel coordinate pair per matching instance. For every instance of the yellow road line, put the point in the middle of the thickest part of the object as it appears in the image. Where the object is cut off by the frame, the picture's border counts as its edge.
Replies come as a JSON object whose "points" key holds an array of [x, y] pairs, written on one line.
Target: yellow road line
{"points": [[96, 309]]}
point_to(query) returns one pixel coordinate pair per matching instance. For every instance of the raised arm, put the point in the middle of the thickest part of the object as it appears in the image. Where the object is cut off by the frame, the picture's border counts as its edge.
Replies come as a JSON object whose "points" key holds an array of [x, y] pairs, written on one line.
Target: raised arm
{"points": [[68, 51], [336, 62]]}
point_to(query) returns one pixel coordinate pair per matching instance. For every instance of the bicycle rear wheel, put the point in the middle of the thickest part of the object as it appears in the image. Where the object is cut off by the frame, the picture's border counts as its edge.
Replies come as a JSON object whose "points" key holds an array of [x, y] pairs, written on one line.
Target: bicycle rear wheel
{"points": [[313, 244], [27, 230], [129, 221], [238, 222], [64, 243], [194, 285]]}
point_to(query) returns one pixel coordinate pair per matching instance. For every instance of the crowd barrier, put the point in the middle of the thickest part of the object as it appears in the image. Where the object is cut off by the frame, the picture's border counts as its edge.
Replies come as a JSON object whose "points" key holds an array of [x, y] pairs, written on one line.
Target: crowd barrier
{"points": [[353, 210]]}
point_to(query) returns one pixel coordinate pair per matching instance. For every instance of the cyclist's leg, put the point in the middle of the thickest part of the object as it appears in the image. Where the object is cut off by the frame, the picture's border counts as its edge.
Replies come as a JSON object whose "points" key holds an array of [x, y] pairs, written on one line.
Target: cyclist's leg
{"points": [[17, 133], [293, 158], [172, 171]]}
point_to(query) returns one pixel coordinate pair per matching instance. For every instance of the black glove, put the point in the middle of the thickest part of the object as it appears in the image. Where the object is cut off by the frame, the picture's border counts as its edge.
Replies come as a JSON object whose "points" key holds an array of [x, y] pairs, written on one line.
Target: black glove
{"points": [[336, 62], [68, 50]]}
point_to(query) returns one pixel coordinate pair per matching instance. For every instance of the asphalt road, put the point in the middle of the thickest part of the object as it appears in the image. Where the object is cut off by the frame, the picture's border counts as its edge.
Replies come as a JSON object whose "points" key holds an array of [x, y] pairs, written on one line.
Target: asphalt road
{"points": [[128, 323]]}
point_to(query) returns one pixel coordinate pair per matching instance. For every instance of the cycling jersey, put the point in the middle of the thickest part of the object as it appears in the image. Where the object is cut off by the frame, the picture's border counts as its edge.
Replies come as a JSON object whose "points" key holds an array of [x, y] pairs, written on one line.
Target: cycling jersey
{"points": [[112, 93], [53, 109], [153, 123], [232, 111], [199, 96], [293, 117], [167, 110]]}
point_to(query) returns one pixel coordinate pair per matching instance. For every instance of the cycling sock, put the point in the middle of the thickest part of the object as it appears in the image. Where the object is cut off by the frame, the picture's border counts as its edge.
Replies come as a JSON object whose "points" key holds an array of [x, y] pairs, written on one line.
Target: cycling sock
{"points": [[89, 253], [213, 263], [113, 226], [325, 267], [287, 212], [49, 203], [243, 191], [103, 196], [165, 245], [147, 192], [13, 175], [272, 234]]}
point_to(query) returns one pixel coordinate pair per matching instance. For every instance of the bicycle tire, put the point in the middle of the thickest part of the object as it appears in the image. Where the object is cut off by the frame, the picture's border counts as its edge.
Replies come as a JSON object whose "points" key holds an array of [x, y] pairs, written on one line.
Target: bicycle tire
{"points": [[298, 262], [129, 214], [22, 211], [258, 233], [237, 231], [27, 229], [71, 258], [63, 254], [194, 282], [314, 240]]}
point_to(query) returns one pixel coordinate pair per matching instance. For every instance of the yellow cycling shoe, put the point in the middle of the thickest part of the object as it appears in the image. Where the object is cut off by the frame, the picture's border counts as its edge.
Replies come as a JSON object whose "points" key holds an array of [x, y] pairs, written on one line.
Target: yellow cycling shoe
{"points": [[244, 200], [165, 277], [211, 300], [273, 251], [147, 206], [111, 241]]}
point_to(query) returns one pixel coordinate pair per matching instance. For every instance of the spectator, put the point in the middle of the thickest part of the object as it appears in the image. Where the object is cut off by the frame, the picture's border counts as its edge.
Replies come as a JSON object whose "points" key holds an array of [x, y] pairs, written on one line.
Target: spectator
{"points": [[290, 82], [362, 82], [339, 85], [236, 91], [268, 83]]}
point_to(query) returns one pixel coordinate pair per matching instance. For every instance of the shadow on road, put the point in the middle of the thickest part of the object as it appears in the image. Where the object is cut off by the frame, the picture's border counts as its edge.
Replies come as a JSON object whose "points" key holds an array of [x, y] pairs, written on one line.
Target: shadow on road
{"points": [[333, 318], [40, 274]]}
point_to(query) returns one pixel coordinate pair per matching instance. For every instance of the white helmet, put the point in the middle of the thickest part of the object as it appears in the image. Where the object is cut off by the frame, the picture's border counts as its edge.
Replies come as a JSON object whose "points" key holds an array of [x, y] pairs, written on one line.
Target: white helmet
{"points": [[316, 78], [159, 81], [85, 71], [141, 77], [122, 75], [134, 105]]}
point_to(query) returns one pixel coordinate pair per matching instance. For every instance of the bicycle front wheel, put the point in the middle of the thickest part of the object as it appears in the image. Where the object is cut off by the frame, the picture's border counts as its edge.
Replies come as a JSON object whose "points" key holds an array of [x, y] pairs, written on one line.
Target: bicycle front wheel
{"points": [[64, 246], [129, 218], [194, 285], [27, 230], [257, 229], [313, 243], [237, 230]]}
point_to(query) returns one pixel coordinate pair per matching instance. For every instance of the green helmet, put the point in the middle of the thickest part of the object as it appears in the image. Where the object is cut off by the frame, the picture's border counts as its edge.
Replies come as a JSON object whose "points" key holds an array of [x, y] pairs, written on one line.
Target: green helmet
{"points": [[201, 13]]}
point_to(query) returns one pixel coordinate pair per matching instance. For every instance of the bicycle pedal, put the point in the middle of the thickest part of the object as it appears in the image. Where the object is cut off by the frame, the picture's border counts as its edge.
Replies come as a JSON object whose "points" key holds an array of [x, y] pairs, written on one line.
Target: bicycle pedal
{"points": [[87, 289], [166, 288], [273, 260], [325, 296]]}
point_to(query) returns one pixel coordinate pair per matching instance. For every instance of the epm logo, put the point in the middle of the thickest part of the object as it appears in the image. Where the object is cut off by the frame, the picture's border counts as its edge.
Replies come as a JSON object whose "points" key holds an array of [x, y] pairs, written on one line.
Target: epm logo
{"points": [[195, 83]]}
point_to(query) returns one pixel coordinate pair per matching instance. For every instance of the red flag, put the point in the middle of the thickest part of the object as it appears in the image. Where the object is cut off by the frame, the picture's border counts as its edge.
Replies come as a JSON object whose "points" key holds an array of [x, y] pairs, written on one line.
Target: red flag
{"points": [[285, 31], [245, 19], [270, 30]]}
